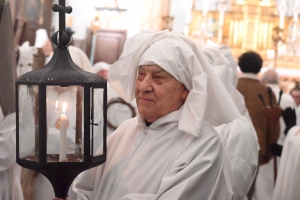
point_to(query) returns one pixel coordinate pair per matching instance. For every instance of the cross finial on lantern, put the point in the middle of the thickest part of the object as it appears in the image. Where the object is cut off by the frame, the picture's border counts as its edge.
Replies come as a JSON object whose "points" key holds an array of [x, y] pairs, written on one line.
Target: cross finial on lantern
{"points": [[64, 37]]}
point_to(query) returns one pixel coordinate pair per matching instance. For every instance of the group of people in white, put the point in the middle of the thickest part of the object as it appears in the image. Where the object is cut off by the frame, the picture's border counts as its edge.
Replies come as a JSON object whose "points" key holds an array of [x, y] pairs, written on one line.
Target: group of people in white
{"points": [[192, 137]]}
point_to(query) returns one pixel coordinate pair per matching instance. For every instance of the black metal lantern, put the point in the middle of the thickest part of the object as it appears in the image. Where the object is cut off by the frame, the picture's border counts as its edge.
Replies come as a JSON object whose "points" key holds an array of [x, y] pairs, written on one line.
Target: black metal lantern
{"points": [[61, 116]]}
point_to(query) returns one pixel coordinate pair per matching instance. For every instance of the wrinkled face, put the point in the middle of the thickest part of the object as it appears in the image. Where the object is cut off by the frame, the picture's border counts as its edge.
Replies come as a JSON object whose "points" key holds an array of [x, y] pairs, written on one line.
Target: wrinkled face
{"points": [[157, 92], [296, 96]]}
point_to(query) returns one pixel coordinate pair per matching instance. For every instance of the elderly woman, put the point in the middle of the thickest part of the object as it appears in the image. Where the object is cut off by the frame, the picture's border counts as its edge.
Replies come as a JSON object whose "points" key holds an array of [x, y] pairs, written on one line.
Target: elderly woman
{"points": [[170, 150]]}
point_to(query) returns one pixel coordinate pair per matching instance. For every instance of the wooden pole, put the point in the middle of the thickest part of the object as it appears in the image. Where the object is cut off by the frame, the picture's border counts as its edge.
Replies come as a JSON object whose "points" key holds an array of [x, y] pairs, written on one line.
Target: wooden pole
{"points": [[78, 135], [36, 125], [275, 168]]}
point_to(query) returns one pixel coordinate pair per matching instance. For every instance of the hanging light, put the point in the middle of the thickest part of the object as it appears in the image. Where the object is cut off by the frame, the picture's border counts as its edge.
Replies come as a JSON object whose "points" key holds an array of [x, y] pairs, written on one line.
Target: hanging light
{"points": [[35, 106], [110, 9]]}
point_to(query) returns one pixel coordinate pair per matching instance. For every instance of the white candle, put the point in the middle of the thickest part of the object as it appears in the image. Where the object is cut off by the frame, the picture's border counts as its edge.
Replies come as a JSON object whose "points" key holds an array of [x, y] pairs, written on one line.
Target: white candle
{"points": [[282, 11], [205, 8], [63, 135], [272, 53], [296, 10]]}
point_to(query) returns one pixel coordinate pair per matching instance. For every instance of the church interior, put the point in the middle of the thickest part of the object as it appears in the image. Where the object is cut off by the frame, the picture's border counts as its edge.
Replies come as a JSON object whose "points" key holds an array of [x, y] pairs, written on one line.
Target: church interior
{"points": [[99, 30], [269, 27]]}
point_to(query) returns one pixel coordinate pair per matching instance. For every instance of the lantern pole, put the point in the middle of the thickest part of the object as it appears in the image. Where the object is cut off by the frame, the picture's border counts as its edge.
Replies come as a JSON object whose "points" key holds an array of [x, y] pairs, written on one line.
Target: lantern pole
{"points": [[62, 10], [60, 71]]}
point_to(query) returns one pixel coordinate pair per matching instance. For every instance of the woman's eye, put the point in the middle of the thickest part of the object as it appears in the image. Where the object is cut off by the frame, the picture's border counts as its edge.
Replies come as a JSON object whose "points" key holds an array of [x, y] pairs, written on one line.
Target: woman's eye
{"points": [[140, 73]]}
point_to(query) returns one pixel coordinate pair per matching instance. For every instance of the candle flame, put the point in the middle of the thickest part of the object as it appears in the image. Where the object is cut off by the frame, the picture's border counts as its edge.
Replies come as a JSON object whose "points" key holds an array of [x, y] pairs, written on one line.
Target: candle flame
{"points": [[56, 104], [64, 107]]}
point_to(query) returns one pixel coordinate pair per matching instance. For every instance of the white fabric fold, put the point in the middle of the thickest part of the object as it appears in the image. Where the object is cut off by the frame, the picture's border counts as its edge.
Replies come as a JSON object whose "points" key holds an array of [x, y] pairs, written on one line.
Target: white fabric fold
{"points": [[221, 59], [208, 101], [239, 136], [100, 66], [226, 51]]}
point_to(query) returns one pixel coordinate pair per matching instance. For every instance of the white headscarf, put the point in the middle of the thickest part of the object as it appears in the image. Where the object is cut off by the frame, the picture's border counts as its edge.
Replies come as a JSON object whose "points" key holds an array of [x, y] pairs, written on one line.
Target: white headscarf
{"points": [[226, 51], [225, 66], [80, 58], [208, 101], [100, 66]]}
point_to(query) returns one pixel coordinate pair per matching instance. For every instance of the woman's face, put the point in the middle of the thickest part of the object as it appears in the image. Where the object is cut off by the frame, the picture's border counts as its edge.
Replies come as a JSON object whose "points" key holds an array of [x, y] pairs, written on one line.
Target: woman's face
{"points": [[157, 92]]}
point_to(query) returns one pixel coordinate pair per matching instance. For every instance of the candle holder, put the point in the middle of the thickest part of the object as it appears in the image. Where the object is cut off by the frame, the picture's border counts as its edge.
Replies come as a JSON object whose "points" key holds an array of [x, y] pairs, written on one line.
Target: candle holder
{"points": [[64, 102]]}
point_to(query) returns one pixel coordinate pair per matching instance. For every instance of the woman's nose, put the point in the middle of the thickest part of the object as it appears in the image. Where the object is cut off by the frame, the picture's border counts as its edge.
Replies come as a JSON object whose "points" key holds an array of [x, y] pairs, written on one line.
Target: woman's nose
{"points": [[145, 84]]}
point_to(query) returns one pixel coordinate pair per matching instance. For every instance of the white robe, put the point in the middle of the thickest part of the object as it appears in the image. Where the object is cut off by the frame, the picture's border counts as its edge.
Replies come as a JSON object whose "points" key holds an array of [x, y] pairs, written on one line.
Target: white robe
{"points": [[242, 148], [10, 171], [288, 180], [264, 184], [159, 162]]}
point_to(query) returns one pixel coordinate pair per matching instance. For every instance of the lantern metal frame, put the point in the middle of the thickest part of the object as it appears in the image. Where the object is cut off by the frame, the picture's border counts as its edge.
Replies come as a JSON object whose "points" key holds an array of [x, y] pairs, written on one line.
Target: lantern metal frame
{"points": [[62, 71]]}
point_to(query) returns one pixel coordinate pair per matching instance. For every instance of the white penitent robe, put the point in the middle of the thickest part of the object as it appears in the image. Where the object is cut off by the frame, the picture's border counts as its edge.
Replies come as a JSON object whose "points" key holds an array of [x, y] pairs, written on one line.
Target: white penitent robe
{"points": [[159, 162], [264, 184], [288, 180], [242, 148], [10, 172]]}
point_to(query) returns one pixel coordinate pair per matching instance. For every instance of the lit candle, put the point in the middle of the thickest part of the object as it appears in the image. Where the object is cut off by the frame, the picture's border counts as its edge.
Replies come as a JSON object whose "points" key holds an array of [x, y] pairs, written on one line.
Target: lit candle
{"points": [[63, 134]]}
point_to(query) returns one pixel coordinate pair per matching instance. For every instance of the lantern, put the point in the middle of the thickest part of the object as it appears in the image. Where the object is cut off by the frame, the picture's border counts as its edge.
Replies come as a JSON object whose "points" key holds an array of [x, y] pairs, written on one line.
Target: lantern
{"points": [[61, 116]]}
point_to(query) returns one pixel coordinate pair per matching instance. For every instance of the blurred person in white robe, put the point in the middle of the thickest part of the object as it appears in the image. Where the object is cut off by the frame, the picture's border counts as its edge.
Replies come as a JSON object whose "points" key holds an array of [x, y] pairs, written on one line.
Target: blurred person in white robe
{"points": [[117, 110], [101, 68], [170, 150], [239, 136], [271, 78], [288, 179], [25, 58], [10, 172], [295, 93], [264, 185]]}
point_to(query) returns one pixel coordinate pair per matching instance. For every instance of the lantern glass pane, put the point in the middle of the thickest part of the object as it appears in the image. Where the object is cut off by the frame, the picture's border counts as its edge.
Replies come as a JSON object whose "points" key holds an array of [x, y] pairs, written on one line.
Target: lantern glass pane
{"points": [[64, 123], [28, 122], [97, 120]]}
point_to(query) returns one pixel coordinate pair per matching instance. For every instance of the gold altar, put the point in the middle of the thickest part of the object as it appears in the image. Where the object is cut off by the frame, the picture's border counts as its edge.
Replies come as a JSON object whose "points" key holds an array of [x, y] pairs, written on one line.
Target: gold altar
{"points": [[247, 26]]}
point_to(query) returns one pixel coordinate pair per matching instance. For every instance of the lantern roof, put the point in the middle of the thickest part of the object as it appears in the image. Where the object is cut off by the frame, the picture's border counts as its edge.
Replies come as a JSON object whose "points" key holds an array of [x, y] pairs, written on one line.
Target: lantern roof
{"points": [[61, 70]]}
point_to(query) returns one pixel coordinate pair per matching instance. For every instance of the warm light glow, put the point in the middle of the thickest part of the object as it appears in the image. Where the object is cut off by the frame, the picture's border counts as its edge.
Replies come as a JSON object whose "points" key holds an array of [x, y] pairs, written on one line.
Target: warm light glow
{"points": [[282, 50], [56, 104], [270, 54], [211, 44], [109, 14], [64, 107]]}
